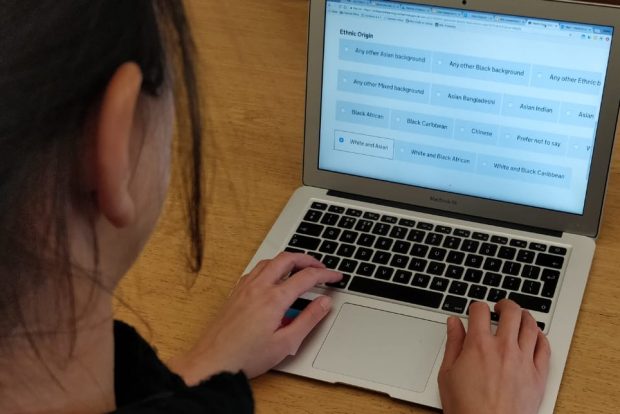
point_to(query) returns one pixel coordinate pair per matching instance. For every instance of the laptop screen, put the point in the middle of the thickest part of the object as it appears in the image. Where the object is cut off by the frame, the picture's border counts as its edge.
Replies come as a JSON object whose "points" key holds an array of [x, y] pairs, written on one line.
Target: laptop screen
{"points": [[500, 107]]}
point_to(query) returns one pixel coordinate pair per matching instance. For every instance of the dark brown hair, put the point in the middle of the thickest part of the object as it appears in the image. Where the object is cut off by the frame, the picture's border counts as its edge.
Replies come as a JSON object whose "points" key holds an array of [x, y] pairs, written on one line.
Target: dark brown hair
{"points": [[56, 58]]}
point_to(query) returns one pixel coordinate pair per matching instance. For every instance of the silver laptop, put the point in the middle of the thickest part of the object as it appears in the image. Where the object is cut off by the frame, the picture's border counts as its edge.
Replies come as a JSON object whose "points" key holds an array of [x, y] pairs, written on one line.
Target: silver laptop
{"points": [[455, 151]]}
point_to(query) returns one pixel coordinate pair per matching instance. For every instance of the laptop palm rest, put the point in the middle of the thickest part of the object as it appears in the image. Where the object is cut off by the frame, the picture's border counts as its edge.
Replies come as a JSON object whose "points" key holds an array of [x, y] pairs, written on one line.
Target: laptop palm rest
{"points": [[381, 347]]}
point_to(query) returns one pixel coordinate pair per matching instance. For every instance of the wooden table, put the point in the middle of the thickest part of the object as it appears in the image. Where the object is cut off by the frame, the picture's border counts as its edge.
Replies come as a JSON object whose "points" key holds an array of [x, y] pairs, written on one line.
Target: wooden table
{"points": [[252, 65]]}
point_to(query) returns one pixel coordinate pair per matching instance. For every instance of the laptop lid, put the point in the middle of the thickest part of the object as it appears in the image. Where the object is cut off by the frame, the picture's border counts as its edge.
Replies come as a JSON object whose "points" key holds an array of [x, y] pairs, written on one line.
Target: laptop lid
{"points": [[503, 110]]}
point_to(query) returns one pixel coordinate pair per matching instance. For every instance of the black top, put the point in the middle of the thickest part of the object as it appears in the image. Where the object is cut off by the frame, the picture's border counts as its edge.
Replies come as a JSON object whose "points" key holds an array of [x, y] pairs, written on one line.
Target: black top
{"points": [[143, 384]]}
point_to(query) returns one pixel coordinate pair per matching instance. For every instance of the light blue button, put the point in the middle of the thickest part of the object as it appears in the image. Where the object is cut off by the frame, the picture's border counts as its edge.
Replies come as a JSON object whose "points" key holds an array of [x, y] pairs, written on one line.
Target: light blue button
{"points": [[524, 171], [580, 148], [362, 114], [567, 80], [385, 55], [435, 156], [531, 108], [384, 87], [476, 132], [533, 141], [466, 99], [580, 115], [479, 68], [422, 124], [361, 144]]}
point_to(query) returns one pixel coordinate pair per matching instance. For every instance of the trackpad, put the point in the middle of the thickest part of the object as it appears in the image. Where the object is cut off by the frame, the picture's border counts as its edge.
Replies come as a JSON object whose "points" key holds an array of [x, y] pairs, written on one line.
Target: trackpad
{"points": [[381, 347]]}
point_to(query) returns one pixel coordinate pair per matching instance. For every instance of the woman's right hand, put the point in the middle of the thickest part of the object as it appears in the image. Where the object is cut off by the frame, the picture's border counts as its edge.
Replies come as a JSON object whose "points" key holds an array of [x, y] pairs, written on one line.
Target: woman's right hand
{"points": [[503, 373], [247, 336]]}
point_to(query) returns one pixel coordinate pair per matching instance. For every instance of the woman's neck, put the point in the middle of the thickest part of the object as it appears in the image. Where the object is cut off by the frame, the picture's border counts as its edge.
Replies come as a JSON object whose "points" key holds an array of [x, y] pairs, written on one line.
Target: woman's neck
{"points": [[53, 380]]}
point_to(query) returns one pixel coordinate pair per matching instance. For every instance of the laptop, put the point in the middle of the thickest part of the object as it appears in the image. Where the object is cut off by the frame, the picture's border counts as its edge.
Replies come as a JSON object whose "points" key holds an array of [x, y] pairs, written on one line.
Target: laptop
{"points": [[455, 151]]}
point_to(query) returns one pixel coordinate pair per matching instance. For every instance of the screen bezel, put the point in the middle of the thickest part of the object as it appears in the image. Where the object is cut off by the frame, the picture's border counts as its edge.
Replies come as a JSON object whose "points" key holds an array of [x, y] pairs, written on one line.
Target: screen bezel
{"points": [[586, 224]]}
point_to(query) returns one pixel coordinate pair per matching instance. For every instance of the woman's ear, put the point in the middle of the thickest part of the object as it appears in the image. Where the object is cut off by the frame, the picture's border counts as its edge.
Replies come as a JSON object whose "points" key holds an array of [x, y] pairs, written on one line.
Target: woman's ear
{"points": [[113, 130]]}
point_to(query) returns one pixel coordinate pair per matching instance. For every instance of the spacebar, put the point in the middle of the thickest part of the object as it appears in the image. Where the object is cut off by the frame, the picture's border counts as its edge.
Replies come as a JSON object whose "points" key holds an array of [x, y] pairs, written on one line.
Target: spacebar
{"points": [[396, 292]]}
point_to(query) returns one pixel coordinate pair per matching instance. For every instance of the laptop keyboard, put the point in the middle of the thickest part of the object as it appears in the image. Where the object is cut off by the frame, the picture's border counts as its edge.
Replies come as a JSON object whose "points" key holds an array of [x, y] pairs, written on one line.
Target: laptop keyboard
{"points": [[435, 266]]}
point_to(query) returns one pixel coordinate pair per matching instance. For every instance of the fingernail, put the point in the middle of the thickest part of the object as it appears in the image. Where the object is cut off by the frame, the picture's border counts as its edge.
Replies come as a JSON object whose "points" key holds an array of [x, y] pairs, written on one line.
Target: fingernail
{"points": [[325, 302]]}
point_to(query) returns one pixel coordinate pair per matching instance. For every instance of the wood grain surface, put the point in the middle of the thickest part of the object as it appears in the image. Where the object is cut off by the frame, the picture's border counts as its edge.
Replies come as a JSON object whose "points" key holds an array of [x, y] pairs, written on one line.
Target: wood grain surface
{"points": [[252, 62]]}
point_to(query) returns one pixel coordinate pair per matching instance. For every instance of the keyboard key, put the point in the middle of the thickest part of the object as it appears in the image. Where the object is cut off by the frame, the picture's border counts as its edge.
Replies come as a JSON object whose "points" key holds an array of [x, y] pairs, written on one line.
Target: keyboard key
{"points": [[336, 209], [348, 236], [421, 280], [317, 256], [511, 268], [488, 249], [549, 260], [384, 273], [371, 216], [383, 243], [462, 233], [364, 225], [434, 239], [381, 229], [452, 243], [402, 276], [474, 260], [398, 232], [531, 302], [425, 226], [293, 250], [342, 284], [417, 265], [399, 261], [353, 212], [492, 279], [499, 240], [346, 250], [550, 279], [331, 233], [440, 284], [477, 292], [458, 288], [389, 219], [455, 272], [313, 216], [531, 287], [304, 242], [531, 272], [436, 268], [495, 295], [347, 222], [558, 250], [419, 250], [511, 283], [480, 236], [437, 254], [396, 292], [416, 236], [539, 247], [401, 247], [381, 257], [455, 257], [470, 246], [406, 223], [328, 247], [492, 264], [348, 266], [366, 269], [330, 219], [363, 254], [319, 206], [443, 229], [507, 253], [331, 262], [518, 243], [454, 304], [525, 256], [366, 240], [473, 275]]}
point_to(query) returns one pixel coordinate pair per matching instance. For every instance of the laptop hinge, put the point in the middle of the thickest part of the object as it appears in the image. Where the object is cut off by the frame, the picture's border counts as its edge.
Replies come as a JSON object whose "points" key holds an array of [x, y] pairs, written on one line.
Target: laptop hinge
{"points": [[410, 207]]}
